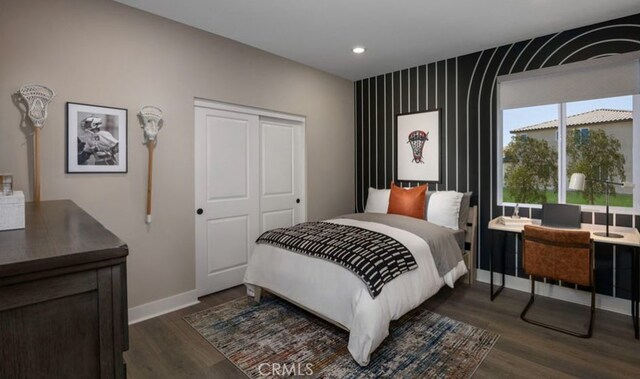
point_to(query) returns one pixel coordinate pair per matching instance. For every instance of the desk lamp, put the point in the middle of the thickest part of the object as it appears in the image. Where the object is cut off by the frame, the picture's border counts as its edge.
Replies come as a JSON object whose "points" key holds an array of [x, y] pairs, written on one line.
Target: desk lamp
{"points": [[577, 183]]}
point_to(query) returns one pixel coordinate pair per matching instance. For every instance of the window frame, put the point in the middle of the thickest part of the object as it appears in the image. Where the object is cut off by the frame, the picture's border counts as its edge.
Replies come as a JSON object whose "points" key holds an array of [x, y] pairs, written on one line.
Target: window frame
{"points": [[562, 159]]}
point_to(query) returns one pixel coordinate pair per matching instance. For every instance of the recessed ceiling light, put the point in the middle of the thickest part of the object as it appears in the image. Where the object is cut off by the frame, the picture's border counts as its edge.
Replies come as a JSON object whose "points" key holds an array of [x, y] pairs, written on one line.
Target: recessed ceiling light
{"points": [[359, 50]]}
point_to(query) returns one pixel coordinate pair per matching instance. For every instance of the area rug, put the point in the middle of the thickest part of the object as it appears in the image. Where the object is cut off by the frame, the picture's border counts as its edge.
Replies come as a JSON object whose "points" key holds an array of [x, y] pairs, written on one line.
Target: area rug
{"points": [[275, 339]]}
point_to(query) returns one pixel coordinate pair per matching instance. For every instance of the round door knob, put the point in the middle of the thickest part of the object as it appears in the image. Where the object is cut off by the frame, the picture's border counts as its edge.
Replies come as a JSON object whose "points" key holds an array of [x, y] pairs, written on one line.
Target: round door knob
{"points": [[199, 211], [297, 201]]}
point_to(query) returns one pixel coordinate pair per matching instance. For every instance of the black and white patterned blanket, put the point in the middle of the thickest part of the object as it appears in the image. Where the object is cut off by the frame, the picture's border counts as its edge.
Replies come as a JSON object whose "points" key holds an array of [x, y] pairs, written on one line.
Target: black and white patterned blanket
{"points": [[374, 257]]}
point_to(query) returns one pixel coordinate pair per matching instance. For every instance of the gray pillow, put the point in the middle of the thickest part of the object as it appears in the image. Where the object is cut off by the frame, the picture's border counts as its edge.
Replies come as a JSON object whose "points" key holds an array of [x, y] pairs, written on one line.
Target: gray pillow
{"points": [[465, 205], [426, 203], [463, 215]]}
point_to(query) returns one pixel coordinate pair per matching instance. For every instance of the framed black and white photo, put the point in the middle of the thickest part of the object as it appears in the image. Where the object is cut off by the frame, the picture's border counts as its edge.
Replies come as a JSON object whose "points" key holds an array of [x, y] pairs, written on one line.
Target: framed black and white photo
{"points": [[96, 139], [419, 146]]}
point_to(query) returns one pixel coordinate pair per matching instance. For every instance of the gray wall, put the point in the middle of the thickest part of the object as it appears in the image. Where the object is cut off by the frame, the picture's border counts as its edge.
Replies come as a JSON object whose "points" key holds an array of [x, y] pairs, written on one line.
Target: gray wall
{"points": [[101, 52]]}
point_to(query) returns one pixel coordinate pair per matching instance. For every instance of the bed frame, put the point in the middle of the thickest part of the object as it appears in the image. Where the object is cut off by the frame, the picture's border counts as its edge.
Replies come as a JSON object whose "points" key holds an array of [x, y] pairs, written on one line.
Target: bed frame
{"points": [[468, 255], [471, 244]]}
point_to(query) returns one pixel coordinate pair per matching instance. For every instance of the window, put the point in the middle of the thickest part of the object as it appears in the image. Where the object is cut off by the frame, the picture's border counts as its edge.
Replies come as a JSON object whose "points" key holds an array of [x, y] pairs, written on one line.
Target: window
{"points": [[542, 146], [602, 150], [530, 155], [581, 117], [580, 136]]}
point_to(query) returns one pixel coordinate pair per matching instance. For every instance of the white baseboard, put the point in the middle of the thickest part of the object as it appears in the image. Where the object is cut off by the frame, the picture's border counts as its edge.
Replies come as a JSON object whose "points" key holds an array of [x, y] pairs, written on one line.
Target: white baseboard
{"points": [[607, 303], [162, 306]]}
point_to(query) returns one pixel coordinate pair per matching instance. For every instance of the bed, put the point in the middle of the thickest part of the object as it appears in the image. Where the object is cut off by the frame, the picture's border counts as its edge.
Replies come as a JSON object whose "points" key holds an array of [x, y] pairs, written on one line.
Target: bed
{"points": [[339, 296]]}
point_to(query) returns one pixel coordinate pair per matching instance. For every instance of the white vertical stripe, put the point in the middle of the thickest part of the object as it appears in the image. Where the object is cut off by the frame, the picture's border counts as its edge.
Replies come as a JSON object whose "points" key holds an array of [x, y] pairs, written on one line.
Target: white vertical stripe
{"points": [[457, 139], [516, 261], [426, 87], [409, 100], [426, 80], [408, 90], [385, 129], [473, 74], [401, 95], [369, 129], [362, 186], [376, 100], [479, 134], [614, 271], [493, 86], [426, 75], [435, 94], [635, 175], [417, 88], [393, 129], [446, 124], [355, 138]]}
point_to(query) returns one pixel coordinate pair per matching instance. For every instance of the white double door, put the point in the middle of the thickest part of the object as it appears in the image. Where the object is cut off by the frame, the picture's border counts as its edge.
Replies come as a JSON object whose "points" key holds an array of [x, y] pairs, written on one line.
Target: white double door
{"points": [[249, 178]]}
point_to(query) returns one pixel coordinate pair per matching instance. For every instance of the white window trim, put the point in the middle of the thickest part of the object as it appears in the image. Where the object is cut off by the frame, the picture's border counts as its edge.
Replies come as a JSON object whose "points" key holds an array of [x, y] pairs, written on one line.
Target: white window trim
{"points": [[562, 174], [562, 152]]}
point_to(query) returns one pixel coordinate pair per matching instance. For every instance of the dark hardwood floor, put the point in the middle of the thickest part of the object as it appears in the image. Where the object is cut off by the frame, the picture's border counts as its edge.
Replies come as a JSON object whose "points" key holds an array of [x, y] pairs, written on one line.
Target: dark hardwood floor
{"points": [[167, 347]]}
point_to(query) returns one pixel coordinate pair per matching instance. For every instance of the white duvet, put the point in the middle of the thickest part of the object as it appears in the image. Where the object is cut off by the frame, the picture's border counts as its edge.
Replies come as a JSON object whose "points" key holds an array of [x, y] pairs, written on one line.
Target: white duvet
{"points": [[336, 293]]}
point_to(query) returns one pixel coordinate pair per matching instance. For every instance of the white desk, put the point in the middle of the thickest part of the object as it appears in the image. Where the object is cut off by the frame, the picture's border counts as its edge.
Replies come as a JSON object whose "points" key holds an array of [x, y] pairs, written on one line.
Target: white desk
{"points": [[631, 237]]}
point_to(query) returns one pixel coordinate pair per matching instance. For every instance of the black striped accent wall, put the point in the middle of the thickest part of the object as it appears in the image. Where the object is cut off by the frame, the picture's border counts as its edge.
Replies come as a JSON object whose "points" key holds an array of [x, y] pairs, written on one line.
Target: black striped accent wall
{"points": [[465, 89]]}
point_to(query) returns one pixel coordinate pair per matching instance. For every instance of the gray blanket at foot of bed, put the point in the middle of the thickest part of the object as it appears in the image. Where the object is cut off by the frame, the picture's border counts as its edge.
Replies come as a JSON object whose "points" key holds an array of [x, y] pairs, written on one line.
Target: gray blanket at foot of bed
{"points": [[444, 248]]}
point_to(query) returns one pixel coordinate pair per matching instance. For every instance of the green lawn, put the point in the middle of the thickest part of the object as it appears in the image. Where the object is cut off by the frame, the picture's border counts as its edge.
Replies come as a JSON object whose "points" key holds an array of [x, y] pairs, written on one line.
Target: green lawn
{"points": [[620, 200]]}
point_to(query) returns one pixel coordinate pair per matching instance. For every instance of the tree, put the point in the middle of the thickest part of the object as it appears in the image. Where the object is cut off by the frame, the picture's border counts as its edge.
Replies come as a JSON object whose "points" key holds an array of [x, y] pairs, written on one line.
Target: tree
{"points": [[531, 167], [597, 156]]}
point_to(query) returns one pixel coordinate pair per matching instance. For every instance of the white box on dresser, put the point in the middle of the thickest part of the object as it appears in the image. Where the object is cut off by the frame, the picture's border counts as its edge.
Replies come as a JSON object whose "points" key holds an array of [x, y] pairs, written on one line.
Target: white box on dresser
{"points": [[12, 211]]}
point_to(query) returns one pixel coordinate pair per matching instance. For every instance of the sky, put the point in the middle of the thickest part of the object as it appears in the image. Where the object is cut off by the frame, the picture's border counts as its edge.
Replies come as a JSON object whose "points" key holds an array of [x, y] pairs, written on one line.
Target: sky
{"points": [[516, 118]]}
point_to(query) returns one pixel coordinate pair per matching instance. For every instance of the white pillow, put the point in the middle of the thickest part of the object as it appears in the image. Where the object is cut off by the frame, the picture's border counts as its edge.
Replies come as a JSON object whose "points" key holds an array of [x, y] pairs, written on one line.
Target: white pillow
{"points": [[444, 208], [378, 201]]}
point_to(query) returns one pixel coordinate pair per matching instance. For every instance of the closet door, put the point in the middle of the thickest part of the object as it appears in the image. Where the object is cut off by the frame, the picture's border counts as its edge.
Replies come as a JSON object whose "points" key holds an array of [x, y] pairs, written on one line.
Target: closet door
{"points": [[281, 171], [227, 189]]}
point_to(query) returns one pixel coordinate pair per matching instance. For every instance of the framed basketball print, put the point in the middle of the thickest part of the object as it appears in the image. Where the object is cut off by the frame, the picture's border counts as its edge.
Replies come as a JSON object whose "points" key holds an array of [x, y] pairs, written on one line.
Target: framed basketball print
{"points": [[419, 146], [96, 139]]}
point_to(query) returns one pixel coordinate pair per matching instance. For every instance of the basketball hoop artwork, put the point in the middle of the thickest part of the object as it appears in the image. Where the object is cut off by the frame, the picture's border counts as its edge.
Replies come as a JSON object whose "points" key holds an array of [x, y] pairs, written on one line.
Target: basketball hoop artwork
{"points": [[418, 147], [417, 139], [151, 124], [38, 98]]}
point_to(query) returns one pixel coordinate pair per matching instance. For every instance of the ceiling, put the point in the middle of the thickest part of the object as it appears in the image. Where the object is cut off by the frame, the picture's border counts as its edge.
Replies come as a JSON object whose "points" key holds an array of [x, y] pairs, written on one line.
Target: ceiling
{"points": [[397, 34]]}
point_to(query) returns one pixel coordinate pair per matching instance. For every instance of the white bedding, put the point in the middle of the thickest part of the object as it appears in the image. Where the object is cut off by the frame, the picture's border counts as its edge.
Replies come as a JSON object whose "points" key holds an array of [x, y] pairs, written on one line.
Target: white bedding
{"points": [[336, 293]]}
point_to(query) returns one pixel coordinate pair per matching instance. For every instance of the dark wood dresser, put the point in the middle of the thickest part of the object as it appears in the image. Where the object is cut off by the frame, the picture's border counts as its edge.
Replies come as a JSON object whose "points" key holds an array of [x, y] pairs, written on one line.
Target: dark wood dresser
{"points": [[63, 296]]}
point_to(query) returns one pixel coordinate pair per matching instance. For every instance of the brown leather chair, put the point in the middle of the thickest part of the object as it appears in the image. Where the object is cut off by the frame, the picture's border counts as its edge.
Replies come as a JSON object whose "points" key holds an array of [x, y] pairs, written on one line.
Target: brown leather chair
{"points": [[564, 255]]}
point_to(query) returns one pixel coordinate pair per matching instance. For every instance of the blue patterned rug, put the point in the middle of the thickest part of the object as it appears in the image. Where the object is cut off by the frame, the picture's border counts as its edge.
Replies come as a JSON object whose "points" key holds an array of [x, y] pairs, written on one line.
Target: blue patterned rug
{"points": [[275, 338]]}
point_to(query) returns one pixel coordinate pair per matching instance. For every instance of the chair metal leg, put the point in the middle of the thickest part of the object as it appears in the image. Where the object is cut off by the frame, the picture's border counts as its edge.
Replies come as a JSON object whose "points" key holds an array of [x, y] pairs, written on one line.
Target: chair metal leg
{"points": [[558, 329]]}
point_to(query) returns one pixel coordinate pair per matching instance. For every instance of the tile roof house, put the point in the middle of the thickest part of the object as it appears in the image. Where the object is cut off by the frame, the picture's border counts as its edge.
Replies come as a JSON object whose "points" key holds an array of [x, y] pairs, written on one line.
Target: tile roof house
{"points": [[597, 116]]}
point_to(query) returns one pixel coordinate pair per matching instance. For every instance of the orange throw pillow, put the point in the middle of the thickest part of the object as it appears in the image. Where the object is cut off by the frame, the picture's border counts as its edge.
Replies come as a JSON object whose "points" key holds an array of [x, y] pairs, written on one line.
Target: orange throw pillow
{"points": [[407, 202]]}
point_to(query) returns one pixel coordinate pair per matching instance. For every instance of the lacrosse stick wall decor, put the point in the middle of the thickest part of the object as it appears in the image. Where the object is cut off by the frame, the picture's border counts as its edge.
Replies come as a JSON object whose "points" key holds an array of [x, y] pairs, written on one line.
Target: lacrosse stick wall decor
{"points": [[151, 124], [38, 98]]}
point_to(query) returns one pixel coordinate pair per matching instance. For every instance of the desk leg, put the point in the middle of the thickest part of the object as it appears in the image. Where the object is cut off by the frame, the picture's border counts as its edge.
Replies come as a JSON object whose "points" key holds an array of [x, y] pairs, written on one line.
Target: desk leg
{"points": [[635, 291], [504, 260]]}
